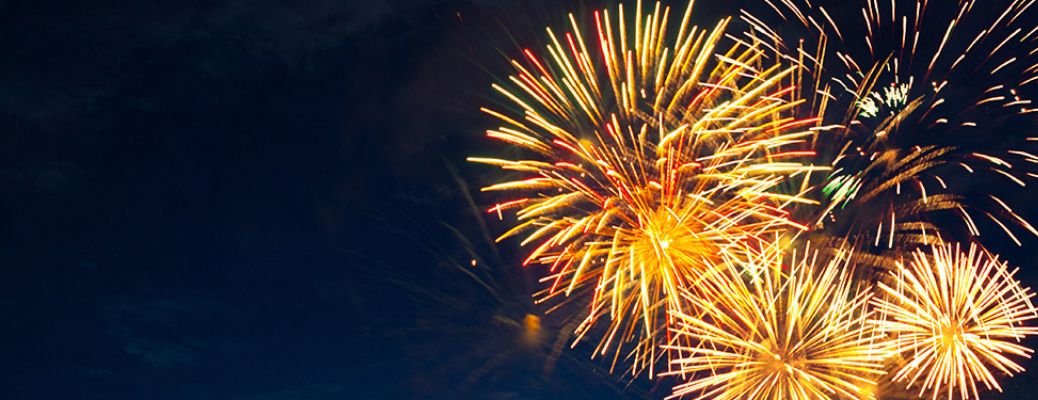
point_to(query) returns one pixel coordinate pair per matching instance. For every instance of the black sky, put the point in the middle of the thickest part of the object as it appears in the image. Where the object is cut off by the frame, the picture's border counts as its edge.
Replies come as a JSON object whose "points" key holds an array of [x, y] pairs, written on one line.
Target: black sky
{"points": [[247, 200], [215, 200]]}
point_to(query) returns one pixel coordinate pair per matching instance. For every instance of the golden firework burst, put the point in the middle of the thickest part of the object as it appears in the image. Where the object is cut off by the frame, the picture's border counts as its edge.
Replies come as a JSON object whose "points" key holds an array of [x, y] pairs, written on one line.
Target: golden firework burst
{"points": [[797, 332], [955, 317], [650, 158]]}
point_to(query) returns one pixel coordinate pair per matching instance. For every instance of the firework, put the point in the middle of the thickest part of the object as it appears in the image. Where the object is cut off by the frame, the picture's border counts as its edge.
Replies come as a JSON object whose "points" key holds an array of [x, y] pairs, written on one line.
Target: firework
{"points": [[925, 106], [955, 317], [796, 332], [650, 158]]}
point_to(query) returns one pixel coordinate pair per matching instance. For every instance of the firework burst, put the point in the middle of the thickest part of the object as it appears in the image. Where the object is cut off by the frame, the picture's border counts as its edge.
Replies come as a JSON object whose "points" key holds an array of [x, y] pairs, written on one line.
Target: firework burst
{"points": [[955, 318], [796, 332], [914, 94], [651, 158]]}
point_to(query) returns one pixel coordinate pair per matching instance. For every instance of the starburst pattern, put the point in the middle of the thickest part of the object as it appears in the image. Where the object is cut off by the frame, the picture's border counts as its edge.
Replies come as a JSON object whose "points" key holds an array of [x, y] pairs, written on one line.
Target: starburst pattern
{"points": [[796, 332], [922, 102], [652, 158], [956, 317], [726, 202]]}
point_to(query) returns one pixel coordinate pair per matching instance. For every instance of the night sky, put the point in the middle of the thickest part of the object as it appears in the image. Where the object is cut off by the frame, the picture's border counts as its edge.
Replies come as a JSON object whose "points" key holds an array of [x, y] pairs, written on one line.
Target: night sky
{"points": [[269, 200]]}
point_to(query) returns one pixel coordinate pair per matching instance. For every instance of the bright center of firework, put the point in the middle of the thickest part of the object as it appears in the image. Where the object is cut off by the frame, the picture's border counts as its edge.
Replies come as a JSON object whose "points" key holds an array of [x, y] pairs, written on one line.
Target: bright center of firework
{"points": [[951, 335], [778, 364], [782, 362], [668, 241]]}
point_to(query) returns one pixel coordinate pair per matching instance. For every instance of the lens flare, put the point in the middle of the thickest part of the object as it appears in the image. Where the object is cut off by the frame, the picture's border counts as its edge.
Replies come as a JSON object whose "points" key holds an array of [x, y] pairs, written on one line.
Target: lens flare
{"points": [[798, 332], [648, 158], [955, 318]]}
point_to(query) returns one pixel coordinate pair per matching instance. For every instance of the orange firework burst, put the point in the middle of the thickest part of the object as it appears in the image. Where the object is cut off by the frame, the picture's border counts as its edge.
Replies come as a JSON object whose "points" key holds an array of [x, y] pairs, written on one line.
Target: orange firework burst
{"points": [[782, 333], [651, 159], [955, 317]]}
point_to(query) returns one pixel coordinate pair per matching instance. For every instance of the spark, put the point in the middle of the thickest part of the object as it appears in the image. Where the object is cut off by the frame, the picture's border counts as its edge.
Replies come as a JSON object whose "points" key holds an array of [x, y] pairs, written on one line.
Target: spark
{"points": [[798, 332], [651, 158], [956, 317], [896, 106]]}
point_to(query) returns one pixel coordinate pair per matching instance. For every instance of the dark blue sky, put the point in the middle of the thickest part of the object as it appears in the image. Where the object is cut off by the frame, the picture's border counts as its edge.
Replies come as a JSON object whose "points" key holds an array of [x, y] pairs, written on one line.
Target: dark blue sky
{"points": [[250, 200], [223, 200]]}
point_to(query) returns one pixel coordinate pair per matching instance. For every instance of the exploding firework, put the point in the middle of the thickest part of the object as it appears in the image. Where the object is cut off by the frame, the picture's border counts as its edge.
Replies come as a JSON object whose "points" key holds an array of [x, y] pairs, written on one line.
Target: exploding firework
{"points": [[955, 318], [798, 332], [652, 158], [925, 106]]}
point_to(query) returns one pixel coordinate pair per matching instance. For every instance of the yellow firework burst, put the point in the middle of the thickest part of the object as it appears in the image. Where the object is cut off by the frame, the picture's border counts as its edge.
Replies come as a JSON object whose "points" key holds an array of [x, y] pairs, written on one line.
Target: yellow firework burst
{"points": [[955, 317], [650, 157], [797, 332]]}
